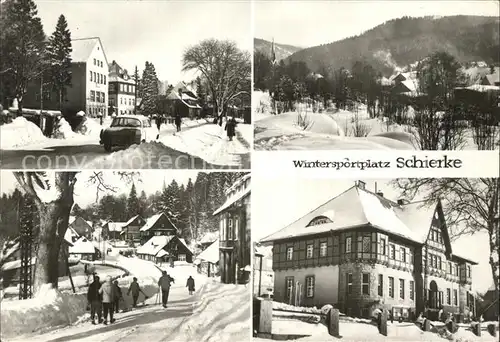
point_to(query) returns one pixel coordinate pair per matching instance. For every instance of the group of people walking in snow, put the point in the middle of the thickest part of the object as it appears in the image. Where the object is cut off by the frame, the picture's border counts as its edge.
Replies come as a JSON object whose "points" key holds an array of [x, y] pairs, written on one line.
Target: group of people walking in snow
{"points": [[104, 298]]}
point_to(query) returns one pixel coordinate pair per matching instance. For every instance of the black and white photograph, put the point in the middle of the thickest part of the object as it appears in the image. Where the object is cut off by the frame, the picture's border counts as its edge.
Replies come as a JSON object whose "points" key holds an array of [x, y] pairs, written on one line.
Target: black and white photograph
{"points": [[125, 256], [375, 260], [125, 84], [376, 75]]}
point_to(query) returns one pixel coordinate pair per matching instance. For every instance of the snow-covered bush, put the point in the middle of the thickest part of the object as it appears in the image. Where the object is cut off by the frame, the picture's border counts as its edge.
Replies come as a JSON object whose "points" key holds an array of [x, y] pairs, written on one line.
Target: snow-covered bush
{"points": [[88, 126], [63, 130]]}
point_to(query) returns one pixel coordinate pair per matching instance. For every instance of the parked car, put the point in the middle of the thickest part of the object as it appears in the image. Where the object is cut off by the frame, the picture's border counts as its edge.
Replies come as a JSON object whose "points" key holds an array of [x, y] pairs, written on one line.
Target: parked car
{"points": [[126, 130]]}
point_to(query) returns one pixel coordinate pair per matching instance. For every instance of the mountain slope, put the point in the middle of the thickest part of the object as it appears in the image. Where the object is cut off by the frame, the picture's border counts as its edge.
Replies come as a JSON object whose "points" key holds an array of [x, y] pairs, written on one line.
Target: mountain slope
{"points": [[282, 51], [400, 42]]}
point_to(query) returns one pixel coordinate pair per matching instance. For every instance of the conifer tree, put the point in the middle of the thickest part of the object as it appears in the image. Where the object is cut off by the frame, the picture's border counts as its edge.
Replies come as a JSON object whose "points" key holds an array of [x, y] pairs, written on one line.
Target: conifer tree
{"points": [[59, 58]]}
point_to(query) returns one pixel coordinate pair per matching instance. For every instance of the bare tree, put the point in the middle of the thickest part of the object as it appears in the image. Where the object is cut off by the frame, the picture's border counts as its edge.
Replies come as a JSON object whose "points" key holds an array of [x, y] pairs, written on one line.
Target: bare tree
{"points": [[470, 205], [359, 129], [53, 193], [226, 69]]}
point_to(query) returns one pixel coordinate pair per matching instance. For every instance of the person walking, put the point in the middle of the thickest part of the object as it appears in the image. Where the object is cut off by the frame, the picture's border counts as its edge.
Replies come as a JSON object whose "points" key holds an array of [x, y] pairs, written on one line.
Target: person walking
{"points": [[135, 289], [158, 122], [94, 298], [107, 292], [231, 128], [178, 122], [164, 285], [117, 296], [190, 285]]}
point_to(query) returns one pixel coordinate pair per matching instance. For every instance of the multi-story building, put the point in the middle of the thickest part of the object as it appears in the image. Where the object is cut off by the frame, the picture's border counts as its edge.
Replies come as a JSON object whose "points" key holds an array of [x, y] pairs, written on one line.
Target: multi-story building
{"points": [[361, 251], [234, 231], [157, 225], [131, 229], [89, 82], [122, 90]]}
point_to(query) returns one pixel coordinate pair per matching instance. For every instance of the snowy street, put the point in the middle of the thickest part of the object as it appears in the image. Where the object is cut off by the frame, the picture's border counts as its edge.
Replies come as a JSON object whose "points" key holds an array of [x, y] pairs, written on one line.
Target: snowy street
{"points": [[200, 145]]}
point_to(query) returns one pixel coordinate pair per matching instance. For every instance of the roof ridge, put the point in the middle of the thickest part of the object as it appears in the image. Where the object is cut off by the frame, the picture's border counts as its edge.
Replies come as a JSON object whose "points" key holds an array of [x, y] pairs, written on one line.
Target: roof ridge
{"points": [[319, 206]]}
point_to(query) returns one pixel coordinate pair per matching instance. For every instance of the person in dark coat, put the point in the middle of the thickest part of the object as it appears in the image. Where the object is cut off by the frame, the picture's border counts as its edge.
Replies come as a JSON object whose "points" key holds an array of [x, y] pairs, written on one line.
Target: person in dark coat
{"points": [[95, 300], [178, 122], [158, 122], [231, 129], [190, 285], [164, 284], [117, 296], [135, 289]]}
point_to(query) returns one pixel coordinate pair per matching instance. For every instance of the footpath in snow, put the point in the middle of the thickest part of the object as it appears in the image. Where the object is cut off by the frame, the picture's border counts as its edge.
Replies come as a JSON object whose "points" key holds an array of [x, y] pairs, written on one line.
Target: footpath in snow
{"points": [[210, 143]]}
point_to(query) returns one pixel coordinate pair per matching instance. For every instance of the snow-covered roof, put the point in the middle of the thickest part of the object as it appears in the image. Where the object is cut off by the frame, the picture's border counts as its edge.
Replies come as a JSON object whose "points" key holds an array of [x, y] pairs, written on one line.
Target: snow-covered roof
{"points": [[174, 95], [70, 235], [481, 88], [238, 182], [131, 220], [161, 253], [233, 199], [71, 219], [184, 243], [82, 246], [209, 237], [358, 207], [211, 254], [83, 47], [116, 226], [154, 245], [150, 222]]}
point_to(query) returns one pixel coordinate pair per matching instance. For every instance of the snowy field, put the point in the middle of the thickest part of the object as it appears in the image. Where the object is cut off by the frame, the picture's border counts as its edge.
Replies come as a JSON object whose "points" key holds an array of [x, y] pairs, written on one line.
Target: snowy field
{"points": [[302, 129]]}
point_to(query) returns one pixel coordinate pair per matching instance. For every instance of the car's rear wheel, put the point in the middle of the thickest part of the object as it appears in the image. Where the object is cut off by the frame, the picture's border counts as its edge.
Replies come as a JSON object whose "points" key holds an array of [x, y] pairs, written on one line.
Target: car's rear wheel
{"points": [[107, 146]]}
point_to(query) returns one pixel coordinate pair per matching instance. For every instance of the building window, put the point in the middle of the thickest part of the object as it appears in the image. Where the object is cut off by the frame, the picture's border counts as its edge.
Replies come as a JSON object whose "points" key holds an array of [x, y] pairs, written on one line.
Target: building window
{"points": [[289, 287], [98, 96], [468, 271], [457, 270], [349, 282], [365, 283], [412, 290], [103, 97], [440, 263], [94, 61], [348, 245], [448, 296], [455, 297], [104, 79], [181, 257], [403, 254], [380, 284], [95, 77], [392, 251], [101, 78], [322, 249], [391, 287], [289, 253], [402, 288], [309, 254], [92, 96], [310, 286], [90, 76], [366, 244], [230, 229], [236, 223], [382, 247]]}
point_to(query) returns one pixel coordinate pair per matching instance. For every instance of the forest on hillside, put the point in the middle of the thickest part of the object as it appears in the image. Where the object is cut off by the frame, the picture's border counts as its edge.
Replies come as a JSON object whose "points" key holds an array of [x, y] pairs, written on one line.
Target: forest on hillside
{"points": [[406, 40], [189, 206]]}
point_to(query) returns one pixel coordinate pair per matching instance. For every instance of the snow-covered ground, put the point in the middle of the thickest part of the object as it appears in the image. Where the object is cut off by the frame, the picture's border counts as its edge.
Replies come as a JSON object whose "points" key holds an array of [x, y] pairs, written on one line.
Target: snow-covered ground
{"points": [[216, 312]]}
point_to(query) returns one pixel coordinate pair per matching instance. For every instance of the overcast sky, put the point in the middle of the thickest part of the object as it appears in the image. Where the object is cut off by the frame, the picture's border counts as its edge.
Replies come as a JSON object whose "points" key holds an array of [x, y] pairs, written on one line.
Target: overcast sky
{"points": [[158, 31], [148, 180], [312, 23], [278, 202]]}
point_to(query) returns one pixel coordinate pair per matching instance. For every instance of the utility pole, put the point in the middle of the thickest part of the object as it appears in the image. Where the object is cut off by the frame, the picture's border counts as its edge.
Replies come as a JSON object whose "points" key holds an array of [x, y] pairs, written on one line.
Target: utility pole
{"points": [[25, 246]]}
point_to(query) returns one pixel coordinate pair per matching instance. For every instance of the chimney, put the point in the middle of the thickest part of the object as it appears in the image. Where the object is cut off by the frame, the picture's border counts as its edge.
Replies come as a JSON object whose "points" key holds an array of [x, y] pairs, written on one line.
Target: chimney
{"points": [[381, 194], [361, 184]]}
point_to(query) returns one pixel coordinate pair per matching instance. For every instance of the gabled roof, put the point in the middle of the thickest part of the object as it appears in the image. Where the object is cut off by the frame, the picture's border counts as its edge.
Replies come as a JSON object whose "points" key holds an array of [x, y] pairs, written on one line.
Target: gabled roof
{"points": [[211, 254], [353, 208], [83, 47], [82, 246], [131, 220], [150, 222], [183, 98], [154, 245], [209, 237], [233, 199]]}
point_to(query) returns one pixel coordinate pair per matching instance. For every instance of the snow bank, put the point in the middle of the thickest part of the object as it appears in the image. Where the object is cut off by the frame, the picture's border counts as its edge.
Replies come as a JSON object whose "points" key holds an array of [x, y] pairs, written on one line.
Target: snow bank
{"points": [[20, 132], [246, 132], [63, 130], [50, 308]]}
